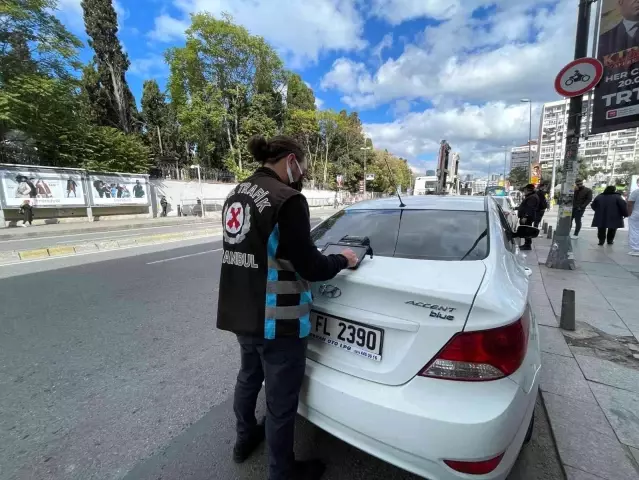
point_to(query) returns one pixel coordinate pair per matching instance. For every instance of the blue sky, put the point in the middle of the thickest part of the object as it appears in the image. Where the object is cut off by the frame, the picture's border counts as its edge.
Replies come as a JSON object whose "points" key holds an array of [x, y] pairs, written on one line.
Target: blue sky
{"points": [[418, 71]]}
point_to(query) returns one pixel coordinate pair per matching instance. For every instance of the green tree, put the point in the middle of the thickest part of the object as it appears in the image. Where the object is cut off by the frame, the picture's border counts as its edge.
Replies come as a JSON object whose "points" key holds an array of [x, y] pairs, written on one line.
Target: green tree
{"points": [[518, 177], [298, 95], [214, 80], [627, 170], [110, 92], [33, 40]]}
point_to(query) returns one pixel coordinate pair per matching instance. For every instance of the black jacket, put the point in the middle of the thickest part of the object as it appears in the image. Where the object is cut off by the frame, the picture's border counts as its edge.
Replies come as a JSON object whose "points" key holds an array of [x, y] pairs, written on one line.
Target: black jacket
{"points": [[582, 198], [269, 259], [543, 203], [529, 206], [610, 210]]}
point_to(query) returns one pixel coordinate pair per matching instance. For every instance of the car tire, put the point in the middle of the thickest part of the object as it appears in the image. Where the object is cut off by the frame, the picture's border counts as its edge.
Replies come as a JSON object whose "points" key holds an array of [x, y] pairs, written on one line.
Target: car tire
{"points": [[531, 427]]}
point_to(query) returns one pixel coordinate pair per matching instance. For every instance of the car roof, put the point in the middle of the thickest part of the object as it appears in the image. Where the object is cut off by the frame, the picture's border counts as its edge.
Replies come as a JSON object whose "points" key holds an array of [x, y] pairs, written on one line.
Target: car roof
{"points": [[425, 202]]}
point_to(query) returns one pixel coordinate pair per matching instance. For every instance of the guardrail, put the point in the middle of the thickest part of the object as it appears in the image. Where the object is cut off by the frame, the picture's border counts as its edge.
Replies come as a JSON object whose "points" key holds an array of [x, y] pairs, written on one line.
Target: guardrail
{"points": [[190, 206]]}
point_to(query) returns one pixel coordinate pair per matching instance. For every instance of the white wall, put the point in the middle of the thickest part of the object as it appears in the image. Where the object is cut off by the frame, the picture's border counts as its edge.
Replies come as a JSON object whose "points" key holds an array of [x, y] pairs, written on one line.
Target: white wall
{"points": [[186, 193]]}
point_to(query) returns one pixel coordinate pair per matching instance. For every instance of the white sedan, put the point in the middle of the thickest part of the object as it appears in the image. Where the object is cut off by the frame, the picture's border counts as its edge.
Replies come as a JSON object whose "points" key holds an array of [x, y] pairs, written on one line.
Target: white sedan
{"points": [[509, 208], [426, 356]]}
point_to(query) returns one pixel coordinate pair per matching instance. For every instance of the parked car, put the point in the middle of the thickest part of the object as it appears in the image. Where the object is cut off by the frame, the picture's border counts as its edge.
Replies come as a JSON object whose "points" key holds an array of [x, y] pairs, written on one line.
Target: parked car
{"points": [[427, 355], [509, 208]]}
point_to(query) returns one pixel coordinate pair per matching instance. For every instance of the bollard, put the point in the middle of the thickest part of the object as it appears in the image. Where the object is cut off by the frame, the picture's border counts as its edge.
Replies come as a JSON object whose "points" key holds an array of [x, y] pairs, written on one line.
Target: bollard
{"points": [[567, 319], [545, 227], [549, 232]]}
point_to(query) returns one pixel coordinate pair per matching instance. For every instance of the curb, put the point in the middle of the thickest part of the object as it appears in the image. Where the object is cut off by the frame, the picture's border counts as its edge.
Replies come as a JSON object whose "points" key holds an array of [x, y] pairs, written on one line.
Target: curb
{"points": [[103, 226], [65, 251]]}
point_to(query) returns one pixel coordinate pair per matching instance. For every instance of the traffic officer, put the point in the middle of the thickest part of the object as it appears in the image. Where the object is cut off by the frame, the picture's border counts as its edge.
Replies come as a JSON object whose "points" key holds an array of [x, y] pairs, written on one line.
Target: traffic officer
{"points": [[265, 298]]}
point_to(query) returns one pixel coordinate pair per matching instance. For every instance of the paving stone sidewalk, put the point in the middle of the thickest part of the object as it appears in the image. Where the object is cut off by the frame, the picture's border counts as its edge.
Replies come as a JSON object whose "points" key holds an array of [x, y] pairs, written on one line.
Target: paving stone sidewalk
{"points": [[590, 379]]}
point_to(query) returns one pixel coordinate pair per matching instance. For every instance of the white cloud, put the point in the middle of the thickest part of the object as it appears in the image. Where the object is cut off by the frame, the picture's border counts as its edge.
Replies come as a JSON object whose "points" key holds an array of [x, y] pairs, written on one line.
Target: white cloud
{"points": [[152, 66], [478, 133], [386, 42], [319, 102], [398, 11], [474, 60], [301, 31], [167, 29]]}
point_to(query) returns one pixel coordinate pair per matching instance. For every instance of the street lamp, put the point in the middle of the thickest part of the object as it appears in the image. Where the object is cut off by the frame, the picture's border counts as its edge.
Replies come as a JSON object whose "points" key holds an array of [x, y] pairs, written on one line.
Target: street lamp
{"points": [[505, 147], [199, 181], [365, 148], [529, 102]]}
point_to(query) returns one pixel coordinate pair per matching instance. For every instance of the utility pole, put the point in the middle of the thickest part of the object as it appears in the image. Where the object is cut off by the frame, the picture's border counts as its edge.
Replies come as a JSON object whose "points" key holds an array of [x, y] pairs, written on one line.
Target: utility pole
{"points": [[561, 255], [365, 148]]}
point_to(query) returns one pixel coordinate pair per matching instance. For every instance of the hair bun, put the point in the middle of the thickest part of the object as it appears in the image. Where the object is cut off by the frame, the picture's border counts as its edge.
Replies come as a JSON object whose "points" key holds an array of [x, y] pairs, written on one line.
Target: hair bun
{"points": [[259, 148]]}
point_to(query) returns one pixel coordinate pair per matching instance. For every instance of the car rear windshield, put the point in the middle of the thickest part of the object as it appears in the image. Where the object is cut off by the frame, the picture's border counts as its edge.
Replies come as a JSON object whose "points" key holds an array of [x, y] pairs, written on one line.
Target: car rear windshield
{"points": [[418, 234]]}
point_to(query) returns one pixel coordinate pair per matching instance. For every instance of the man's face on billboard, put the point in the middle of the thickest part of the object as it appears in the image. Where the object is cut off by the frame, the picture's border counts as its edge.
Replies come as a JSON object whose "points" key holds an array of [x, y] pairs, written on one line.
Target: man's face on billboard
{"points": [[629, 9]]}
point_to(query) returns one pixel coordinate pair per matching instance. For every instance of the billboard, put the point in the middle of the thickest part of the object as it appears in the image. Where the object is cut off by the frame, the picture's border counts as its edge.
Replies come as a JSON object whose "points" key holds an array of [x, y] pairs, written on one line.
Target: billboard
{"points": [[43, 187], [634, 183], [535, 174], [616, 98], [112, 189]]}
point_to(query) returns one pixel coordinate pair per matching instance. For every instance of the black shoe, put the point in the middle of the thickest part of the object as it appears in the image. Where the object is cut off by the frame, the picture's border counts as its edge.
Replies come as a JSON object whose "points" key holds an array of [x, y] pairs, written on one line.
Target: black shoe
{"points": [[308, 470], [242, 451], [601, 244], [525, 247], [611, 243]]}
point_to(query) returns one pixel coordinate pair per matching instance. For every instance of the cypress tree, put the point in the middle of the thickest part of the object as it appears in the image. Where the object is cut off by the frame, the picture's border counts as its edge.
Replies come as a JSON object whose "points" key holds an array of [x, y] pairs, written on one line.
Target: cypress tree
{"points": [[112, 94]]}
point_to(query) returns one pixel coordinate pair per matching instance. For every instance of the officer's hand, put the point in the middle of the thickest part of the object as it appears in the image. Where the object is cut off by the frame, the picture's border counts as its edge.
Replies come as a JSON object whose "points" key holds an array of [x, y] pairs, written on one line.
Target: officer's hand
{"points": [[351, 257]]}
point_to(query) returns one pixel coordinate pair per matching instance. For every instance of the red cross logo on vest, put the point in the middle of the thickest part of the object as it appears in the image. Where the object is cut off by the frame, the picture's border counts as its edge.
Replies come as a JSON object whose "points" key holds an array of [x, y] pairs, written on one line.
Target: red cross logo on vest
{"points": [[234, 218]]}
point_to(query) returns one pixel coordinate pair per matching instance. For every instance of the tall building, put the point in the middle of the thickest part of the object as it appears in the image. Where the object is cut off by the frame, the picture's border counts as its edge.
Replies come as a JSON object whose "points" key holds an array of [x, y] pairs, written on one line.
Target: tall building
{"points": [[519, 156], [599, 151]]}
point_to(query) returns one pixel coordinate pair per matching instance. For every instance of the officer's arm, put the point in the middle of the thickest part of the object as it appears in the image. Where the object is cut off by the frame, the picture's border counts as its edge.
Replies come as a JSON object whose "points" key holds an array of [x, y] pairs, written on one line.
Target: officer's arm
{"points": [[297, 246]]}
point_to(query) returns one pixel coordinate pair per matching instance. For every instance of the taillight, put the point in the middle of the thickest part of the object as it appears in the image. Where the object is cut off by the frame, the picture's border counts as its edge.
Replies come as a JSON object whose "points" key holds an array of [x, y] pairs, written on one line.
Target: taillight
{"points": [[475, 468], [483, 355]]}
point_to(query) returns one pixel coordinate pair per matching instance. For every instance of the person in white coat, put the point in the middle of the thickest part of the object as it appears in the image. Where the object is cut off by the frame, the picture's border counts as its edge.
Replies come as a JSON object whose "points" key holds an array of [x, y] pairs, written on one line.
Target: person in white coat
{"points": [[633, 222]]}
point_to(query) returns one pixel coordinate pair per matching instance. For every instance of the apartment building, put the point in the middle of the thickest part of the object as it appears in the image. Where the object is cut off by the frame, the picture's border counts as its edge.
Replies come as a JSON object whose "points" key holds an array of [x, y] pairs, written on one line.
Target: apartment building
{"points": [[519, 156], [600, 151]]}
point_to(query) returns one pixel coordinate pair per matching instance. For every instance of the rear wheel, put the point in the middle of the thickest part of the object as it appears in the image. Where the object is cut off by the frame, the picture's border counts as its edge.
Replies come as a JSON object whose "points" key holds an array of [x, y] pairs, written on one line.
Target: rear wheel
{"points": [[529, 433]]}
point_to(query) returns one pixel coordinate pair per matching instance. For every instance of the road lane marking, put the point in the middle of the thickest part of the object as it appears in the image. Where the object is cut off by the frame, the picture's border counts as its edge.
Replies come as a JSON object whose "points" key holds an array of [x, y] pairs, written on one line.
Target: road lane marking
{"points": [[184, 256]]}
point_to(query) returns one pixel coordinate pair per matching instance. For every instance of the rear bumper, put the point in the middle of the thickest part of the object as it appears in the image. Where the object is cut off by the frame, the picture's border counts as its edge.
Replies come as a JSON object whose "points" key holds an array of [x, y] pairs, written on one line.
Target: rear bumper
{"points": [[417, 425]]}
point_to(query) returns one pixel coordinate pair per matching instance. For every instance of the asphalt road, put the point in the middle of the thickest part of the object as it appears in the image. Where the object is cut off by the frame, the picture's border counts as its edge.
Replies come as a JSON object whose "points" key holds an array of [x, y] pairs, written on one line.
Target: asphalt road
{"points": [[113, 369]]}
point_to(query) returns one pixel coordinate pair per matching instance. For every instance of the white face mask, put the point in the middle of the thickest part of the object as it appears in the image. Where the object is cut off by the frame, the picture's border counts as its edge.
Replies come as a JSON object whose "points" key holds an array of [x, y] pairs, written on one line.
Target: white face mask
{"points": [[290, 172]]}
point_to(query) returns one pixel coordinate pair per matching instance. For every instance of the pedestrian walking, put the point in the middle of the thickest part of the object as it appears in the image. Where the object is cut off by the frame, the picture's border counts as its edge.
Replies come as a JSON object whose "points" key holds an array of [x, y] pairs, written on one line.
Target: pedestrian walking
{"points": [[165, 205], [581, 199], [26, 210], [543, 205], [610, 210], [528, 211], [633, 222], [268, 261]]}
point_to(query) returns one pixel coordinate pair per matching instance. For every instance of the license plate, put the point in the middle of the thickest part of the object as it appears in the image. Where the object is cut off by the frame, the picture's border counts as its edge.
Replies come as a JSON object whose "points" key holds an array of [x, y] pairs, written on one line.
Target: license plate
{"points": [[362, 340]]}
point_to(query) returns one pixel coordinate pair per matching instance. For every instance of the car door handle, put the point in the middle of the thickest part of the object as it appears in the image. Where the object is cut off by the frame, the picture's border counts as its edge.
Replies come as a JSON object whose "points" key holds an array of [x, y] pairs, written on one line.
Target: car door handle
{"points": [[528, 271]]}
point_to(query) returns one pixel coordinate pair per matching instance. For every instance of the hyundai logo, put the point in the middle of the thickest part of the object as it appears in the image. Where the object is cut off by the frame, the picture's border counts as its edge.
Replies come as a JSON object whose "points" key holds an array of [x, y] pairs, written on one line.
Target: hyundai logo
{"points": [[330, 291]]}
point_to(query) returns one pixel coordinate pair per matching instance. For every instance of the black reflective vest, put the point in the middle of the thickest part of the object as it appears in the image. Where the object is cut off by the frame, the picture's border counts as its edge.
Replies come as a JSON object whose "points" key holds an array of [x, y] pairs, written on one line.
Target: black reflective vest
{"points": [[260, 292]]}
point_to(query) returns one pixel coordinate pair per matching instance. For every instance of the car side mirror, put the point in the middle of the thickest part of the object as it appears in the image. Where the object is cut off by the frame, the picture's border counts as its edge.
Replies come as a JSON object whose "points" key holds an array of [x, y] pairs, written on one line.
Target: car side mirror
{"points": [[526, 231]]}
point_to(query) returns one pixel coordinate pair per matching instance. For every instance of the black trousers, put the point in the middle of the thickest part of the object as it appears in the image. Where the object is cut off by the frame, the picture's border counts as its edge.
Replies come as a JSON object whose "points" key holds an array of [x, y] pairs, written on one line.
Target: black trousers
{"points": [[608, 236], [164, 208], [281, 362], [577, 214], [528, 221], [540, 217]]}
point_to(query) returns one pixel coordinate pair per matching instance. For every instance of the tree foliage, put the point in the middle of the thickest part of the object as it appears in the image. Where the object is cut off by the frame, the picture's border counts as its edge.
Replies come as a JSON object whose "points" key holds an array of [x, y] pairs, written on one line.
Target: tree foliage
{"points": [[225, 85], [109, 90]]}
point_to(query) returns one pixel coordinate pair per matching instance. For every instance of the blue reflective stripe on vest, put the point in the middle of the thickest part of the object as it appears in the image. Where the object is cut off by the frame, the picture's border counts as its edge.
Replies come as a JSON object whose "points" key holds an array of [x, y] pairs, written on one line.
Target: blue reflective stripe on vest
{"points": [[273, 286], [271, 298]]}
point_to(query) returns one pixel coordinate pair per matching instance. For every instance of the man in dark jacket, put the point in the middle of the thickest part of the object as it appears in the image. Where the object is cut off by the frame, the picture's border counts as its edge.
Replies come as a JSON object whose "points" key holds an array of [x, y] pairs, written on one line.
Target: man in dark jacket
{"points": [[610, 210], [528, 211], [165, 205], [265, 298], [581, 199], [543, 205]]}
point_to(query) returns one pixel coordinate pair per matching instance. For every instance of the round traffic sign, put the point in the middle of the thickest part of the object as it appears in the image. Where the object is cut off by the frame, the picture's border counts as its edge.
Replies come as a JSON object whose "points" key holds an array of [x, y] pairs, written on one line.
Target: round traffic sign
{"points": [[578, 77]]}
